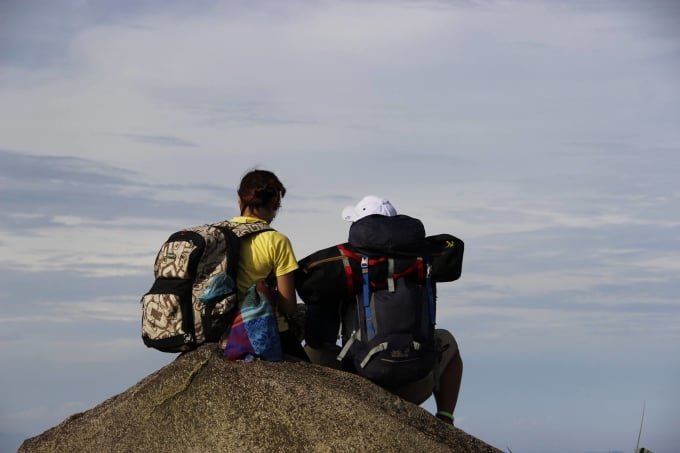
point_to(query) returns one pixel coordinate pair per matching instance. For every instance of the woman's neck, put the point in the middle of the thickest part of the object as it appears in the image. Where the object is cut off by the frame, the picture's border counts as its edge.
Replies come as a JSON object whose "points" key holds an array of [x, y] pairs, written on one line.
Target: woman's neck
{"points": [[259, 213]]}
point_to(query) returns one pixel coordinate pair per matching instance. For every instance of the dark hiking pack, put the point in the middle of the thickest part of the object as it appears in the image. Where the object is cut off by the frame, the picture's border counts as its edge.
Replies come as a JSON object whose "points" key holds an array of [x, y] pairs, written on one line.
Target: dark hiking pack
{"points": [[388, 333], [377, 286], [193, 299]]}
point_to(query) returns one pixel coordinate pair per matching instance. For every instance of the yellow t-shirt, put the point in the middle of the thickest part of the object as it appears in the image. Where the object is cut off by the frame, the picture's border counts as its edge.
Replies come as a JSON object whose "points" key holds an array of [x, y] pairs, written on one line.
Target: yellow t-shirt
{"points": [[264, 254]]}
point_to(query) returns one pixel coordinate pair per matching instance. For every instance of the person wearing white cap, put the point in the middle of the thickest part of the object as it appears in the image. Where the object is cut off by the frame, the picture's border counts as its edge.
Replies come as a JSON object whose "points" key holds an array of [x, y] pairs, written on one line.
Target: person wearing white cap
{"points": [[444, 381], [368, 205]]}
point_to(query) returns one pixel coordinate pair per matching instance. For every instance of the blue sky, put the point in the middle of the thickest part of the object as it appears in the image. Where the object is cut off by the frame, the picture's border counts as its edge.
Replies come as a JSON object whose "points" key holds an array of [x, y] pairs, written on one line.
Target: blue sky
{"points": [[542, 133]]}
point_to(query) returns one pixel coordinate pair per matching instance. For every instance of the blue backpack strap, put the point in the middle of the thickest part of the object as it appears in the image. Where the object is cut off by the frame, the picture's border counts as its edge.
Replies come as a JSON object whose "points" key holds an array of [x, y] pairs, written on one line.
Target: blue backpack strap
{"points": [[370, 330]]}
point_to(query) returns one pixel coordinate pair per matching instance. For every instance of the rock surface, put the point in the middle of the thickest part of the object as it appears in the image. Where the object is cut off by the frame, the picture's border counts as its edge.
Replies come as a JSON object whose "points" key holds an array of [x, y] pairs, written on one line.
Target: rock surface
{"points": [[203, 403]]}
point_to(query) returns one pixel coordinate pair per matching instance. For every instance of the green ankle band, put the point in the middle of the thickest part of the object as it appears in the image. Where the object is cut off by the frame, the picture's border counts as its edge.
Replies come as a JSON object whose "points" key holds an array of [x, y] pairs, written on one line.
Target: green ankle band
{"points": [[448, 415]]}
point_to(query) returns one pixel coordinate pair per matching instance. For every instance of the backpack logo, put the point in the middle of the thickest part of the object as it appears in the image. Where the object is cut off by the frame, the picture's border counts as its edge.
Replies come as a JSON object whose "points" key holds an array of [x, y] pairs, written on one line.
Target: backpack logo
{"points": [[400, 354]]}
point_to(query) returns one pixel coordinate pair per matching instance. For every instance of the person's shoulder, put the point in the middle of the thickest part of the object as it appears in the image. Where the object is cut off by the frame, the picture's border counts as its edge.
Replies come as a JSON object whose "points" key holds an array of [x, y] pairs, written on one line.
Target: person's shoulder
{"points": [[274, 234], [276, 242]]}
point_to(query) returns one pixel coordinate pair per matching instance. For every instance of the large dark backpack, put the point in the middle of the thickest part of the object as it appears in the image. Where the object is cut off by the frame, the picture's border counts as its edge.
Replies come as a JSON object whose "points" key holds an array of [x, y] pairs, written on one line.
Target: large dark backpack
{"points": [[388, 330], [193, 299], [328, 280]]}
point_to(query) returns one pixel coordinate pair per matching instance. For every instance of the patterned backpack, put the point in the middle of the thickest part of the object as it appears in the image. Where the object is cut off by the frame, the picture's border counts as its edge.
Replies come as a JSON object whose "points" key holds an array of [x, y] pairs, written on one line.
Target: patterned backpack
{"points": [[193, 299]]}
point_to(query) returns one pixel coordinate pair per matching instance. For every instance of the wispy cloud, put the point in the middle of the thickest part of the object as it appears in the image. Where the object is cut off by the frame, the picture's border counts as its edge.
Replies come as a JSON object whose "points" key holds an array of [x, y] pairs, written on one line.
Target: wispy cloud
{"points": [[104, 309], [161, 140], [46, 191]]}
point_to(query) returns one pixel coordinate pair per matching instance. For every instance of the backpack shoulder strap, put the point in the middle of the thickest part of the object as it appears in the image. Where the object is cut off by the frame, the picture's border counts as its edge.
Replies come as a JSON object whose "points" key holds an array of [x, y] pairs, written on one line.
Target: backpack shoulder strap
{"points": [[233, 233], [242, 230]]}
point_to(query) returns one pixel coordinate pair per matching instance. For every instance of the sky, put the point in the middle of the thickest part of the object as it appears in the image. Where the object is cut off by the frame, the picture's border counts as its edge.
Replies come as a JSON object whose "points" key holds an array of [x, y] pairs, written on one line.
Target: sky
{"points": [[544, 134]]}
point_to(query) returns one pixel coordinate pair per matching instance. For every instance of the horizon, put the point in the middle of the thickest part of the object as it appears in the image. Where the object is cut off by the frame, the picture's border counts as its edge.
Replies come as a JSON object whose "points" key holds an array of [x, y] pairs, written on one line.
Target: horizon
{"points": [[542, 134]]}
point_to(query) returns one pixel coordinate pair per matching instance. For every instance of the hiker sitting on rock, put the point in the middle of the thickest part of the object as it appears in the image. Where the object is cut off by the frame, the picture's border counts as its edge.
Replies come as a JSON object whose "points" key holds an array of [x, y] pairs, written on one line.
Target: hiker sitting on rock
{"points": [[379, 291], [268, 253]]}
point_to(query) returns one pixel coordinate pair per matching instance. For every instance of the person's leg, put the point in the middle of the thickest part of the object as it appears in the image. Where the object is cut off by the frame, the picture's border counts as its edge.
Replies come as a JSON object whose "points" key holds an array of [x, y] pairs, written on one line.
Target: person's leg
{"points": [[416, 392], [322, 324], [450, 376], [291, 347], [324, 355]]}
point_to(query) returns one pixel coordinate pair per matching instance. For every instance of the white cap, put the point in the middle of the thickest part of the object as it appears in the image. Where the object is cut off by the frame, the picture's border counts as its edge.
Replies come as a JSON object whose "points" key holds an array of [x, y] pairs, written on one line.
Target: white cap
{"points": [[368, 205]]}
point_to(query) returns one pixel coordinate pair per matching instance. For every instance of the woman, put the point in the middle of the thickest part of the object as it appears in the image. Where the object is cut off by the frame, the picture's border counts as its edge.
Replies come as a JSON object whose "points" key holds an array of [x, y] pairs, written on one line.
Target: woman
{"points": [[269, 253]]}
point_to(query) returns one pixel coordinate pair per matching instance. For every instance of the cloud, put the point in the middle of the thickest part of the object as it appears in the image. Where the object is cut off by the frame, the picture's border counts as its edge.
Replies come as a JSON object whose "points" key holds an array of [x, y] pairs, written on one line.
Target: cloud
{"points": [[49, 191], [161, 140], [424, 73], [39, 34], [80, 311], [108, 214]]}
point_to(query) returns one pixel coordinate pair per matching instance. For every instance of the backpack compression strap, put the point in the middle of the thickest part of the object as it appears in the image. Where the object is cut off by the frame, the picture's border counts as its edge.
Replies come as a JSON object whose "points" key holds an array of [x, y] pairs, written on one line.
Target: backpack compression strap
{"points": [[370, 330], [390, 275]]}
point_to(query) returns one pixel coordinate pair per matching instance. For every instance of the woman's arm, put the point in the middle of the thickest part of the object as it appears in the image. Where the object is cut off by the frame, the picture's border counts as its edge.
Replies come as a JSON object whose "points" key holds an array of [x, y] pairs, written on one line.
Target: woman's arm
{"points": [[287, 299]]}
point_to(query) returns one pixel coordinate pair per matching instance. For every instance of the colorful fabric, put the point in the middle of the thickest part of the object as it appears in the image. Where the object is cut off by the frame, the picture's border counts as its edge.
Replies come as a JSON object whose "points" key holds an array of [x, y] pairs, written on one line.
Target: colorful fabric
{"points": [[254, 333]]}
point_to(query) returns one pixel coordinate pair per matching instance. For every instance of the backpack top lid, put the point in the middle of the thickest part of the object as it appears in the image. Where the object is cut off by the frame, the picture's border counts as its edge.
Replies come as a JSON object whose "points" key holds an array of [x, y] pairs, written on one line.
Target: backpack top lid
{"points": [[391, 235]]}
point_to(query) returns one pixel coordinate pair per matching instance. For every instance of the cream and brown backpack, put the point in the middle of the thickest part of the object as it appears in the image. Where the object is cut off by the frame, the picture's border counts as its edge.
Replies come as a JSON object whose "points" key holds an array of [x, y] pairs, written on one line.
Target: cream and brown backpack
{"points": [[193, 299]]}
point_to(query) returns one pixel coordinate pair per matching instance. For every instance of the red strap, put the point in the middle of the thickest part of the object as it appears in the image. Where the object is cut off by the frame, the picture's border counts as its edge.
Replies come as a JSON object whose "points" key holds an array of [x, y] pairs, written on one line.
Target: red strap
{"points": [[421, 269], [418, 267], [349, 276]]}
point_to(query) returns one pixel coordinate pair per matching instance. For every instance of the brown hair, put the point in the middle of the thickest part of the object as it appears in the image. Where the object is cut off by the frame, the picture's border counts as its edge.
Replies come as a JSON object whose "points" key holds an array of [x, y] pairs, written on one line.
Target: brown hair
{"points": [[261, 188]]}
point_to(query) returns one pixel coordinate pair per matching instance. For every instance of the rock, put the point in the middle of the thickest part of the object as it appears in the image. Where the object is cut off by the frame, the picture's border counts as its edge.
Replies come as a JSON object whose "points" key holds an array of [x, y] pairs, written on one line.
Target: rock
{"points": [[203, 403]]}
